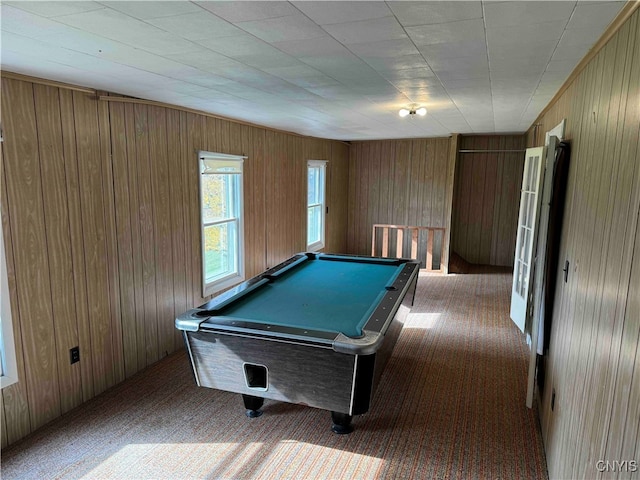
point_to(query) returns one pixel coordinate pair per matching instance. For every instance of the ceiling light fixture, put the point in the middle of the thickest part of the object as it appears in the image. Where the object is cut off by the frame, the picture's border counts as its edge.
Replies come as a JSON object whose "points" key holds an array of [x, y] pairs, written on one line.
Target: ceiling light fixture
{"points": [[419, 111]]}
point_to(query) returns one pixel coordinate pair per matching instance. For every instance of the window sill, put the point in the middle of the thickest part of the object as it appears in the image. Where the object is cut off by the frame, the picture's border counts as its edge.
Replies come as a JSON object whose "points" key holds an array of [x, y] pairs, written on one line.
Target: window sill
{"points": [[7, 380], [218, 285], [315, 247]]}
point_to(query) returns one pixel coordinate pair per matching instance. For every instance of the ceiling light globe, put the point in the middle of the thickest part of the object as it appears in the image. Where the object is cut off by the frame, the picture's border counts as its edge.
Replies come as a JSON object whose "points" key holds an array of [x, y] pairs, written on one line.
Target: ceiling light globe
{"points": [[403, 112], [421, 111]]}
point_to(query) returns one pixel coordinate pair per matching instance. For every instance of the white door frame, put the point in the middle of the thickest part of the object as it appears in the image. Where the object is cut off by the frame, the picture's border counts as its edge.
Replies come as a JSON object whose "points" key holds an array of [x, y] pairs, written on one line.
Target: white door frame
{"points": [[552, 138], [539, 264], [523, 263]]}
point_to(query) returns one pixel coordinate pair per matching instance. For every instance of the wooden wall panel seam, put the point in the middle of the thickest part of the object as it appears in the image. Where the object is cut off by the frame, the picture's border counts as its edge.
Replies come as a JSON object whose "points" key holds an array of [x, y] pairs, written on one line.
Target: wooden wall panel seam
{"points": [[113, 277], [76, 229]]}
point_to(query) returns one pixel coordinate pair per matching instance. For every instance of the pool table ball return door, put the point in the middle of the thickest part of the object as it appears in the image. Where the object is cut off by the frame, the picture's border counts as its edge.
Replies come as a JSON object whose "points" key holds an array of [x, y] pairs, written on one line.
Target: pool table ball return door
{"points": [[315, 330]]}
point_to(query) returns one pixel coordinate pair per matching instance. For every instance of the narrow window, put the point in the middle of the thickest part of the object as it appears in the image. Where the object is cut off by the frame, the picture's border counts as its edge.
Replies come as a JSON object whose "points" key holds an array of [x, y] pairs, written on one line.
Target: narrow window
{"points": [[8, 366], [316, 207], [221, 215]]}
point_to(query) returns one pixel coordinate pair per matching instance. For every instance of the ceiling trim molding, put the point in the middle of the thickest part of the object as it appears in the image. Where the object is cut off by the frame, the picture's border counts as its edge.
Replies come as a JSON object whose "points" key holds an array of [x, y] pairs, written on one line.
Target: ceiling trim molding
{"points": [[625, 13], [43, 81]]}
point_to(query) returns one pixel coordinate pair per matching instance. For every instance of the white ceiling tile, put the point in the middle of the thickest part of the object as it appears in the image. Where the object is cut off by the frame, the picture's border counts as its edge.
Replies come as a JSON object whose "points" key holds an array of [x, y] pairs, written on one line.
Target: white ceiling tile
{"points": [[559, 66], [483, 94], [400, 62], [406, 84], [460, 64], [55, 8], [71, 38], [196, 26], [512, 77], [539, 33], [118, 26], [92, 66], [536, 48], [411, 74], [239, 45], [443, 51], [148, 9], [578, 37], [282, 29], [594, 15], [572, 54], [453, 75], [379, 29], [204, 59], [426, 96], [327, 13], [325, 45], [462, 31], [475, 81], [244, 11], [516, 14], [519, 90], [27, 24], [524, 65], [246, 75], [428, 13], [340, 67], [268, 60], [18, 62], [302, 76], [183, 88], [199, 77], [384, 48], [332, 92]]}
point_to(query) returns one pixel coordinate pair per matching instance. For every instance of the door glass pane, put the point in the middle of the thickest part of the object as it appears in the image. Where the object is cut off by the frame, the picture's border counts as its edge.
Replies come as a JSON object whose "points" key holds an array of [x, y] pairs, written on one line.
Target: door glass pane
{"points": [[220, 245], [522, 240], [525, 280], [534, 172], [527, 245]]}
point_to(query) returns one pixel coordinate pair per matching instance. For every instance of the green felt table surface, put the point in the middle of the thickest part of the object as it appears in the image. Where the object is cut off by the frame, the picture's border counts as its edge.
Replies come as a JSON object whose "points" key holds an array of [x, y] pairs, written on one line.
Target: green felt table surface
{"points": [[321, 295]]}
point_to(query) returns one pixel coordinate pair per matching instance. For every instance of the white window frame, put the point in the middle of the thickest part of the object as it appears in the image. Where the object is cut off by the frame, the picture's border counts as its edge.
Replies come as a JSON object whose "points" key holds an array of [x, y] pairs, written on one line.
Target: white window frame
{"points": [[8, 365], [236, 277], [322, 164]]}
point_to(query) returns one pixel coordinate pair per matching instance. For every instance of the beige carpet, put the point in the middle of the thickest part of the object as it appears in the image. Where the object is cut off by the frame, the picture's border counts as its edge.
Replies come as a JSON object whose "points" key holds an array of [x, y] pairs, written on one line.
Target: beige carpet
{"points": [[451, 404]]}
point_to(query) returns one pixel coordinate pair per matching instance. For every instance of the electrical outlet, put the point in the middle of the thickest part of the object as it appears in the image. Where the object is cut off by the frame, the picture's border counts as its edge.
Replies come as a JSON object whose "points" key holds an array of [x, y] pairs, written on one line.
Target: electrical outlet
{"points": [[75, 355]]}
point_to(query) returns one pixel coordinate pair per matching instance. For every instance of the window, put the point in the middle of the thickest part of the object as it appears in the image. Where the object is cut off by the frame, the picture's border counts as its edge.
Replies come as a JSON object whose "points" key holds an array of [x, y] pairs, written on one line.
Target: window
{"points": [[8, 366], [316, 174], [221, 221]]}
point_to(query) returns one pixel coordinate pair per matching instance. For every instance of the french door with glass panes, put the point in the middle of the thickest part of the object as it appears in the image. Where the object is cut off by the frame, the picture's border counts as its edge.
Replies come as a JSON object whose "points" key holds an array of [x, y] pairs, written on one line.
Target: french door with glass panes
{"points": [[525, 241]]}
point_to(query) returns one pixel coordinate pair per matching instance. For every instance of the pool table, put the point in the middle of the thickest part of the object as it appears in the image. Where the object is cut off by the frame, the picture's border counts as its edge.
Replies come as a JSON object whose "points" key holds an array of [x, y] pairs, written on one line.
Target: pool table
{"points": [[315, 330]]}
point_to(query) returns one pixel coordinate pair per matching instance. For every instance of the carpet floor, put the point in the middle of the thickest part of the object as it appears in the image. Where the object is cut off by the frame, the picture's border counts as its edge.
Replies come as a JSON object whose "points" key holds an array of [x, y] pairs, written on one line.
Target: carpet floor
{"points": [[450, 405]]}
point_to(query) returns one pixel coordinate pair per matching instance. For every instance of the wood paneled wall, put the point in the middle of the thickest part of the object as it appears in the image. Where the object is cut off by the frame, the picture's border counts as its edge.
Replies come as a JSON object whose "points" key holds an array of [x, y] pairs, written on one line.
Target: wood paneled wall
{"points": [[101, 223], [401, 182], [487, 198], [593, 362]]}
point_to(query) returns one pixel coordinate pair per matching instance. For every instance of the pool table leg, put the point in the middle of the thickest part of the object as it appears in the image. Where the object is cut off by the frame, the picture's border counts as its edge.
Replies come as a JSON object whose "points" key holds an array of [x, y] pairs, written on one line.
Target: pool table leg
{"points": [[252, 404], [341, 423]]}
